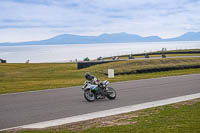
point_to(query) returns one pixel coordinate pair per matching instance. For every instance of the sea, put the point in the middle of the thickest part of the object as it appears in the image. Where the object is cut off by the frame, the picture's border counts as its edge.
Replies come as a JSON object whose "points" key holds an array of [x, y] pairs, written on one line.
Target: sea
{"points": [[77, 52]]}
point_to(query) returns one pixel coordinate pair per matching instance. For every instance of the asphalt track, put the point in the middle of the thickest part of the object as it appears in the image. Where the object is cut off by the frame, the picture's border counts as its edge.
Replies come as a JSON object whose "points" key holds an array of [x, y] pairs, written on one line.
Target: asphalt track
{"points": [[32, 107]]}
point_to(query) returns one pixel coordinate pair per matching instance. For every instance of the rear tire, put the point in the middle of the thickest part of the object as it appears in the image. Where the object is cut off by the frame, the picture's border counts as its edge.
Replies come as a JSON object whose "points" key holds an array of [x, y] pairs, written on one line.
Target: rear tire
{"points": [[111, 93], [89, 96]]}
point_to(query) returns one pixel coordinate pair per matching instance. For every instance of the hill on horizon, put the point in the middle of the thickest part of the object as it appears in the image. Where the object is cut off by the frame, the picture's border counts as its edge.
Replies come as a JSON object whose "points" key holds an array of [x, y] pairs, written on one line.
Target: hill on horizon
{"points": [[105, 38]]}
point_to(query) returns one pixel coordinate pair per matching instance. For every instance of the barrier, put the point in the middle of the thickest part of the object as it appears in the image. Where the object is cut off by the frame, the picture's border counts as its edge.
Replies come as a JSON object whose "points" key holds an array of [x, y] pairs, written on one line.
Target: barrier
{"points": [[85, 64]]}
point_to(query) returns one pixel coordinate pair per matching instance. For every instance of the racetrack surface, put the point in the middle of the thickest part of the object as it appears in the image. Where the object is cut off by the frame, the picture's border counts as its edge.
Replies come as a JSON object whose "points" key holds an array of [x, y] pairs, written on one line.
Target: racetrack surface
{"points": [[32, 107]]}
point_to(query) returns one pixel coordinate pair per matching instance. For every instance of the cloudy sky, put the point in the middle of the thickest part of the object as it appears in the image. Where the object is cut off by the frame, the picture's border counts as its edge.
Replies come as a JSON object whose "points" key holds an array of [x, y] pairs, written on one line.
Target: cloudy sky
{"points": [[25, 20]]}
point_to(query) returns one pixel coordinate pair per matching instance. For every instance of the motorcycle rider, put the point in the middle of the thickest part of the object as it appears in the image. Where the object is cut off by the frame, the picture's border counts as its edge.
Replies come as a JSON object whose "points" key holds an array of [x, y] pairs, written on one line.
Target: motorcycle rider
{"points": [[94, 81]]}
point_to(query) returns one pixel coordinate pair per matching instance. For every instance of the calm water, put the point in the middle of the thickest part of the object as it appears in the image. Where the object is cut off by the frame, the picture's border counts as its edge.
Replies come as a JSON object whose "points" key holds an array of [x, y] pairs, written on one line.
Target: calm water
{"points": [[68, 52]]}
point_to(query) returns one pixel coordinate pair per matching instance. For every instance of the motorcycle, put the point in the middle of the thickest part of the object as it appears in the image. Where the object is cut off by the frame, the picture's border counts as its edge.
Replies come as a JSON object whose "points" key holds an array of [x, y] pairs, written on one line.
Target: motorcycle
{"points": [[100, 91]]}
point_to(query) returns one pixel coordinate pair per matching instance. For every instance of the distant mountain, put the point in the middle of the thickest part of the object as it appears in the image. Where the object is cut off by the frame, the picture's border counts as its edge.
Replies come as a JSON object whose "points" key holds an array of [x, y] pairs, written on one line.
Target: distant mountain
{"points": [[189, 36], [106, 38], [124, 37]]}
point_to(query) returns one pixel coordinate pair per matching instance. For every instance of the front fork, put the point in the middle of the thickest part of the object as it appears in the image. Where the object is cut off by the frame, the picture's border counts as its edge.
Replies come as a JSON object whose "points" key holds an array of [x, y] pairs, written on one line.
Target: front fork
{"points": [[90, 91]]}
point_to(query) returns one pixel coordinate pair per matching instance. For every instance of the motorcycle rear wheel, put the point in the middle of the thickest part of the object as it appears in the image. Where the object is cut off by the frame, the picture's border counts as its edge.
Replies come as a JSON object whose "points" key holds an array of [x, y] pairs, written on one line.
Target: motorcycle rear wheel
{"points": [[89, 96], [111, 93]]}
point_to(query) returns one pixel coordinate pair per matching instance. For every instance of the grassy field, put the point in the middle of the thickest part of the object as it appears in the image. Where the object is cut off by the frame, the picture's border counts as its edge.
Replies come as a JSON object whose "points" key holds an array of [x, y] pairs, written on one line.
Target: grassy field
{"points": [[156, 55], [186, 51], [170, 53], [181, 117], [146, 66], [29, 77]]}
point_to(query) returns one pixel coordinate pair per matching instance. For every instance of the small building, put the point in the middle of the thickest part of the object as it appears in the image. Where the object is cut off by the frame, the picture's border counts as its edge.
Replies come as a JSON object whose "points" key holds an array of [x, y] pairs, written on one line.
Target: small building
{"points": [[27, 61], [86, 59], [115, 58], [2, 61], [163, 56], [100, 58], [146, 56], [131, 56]]}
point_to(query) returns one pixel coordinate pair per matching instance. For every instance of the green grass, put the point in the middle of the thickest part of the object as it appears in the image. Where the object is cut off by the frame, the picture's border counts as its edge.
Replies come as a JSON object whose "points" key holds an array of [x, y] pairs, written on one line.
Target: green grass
{"points": [[169, 53], [143, 66], [175, 118], [167, 119], [29, 77], [157, 55], [180, 50]]}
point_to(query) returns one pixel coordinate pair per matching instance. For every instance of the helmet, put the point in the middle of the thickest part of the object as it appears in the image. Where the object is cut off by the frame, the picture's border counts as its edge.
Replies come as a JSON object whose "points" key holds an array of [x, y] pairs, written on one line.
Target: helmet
{"points": [[87, 75]]}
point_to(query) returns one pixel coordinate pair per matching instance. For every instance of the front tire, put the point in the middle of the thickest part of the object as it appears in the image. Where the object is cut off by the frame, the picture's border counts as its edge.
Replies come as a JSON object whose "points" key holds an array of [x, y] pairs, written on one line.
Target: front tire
{"points": [[89, 96], [111, 93]]}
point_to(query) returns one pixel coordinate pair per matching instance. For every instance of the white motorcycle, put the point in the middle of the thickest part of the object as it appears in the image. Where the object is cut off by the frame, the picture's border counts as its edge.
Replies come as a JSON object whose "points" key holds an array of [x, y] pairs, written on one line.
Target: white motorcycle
{"points": [[100, 91]]}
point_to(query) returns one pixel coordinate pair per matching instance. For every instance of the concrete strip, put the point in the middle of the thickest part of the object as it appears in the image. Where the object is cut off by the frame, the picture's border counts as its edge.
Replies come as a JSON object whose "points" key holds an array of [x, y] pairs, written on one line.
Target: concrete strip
{"points": [[110, 112]]}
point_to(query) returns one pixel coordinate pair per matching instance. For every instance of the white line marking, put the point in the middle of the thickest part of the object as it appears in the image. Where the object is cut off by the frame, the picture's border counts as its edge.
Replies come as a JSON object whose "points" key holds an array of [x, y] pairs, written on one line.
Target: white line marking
{"points": [[109, 112]]}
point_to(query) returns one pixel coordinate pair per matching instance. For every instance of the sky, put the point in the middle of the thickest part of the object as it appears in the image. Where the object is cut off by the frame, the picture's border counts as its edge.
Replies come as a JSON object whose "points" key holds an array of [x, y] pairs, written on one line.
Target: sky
{"points": [[27, 20]]}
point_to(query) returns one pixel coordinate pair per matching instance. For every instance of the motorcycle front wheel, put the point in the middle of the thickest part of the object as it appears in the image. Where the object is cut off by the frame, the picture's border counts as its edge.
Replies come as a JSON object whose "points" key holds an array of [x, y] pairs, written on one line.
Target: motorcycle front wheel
{"points": [[111, 93], [89, 96]]}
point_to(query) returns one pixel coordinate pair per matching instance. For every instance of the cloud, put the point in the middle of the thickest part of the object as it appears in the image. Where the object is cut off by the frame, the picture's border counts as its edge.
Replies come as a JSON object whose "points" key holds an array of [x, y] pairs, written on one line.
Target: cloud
{"points": [[92, 17]]}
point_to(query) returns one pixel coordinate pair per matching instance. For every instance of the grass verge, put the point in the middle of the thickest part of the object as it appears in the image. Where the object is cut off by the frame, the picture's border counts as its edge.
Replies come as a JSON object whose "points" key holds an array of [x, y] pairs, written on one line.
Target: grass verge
{"points": [[156, 55], [169, 53], [181, 117], [29, 77], [147, 66]]}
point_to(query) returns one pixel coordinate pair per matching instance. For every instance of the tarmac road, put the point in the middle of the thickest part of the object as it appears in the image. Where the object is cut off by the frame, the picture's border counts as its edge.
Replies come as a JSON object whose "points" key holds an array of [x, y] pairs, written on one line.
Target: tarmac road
{"points": [[31, 107]]}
